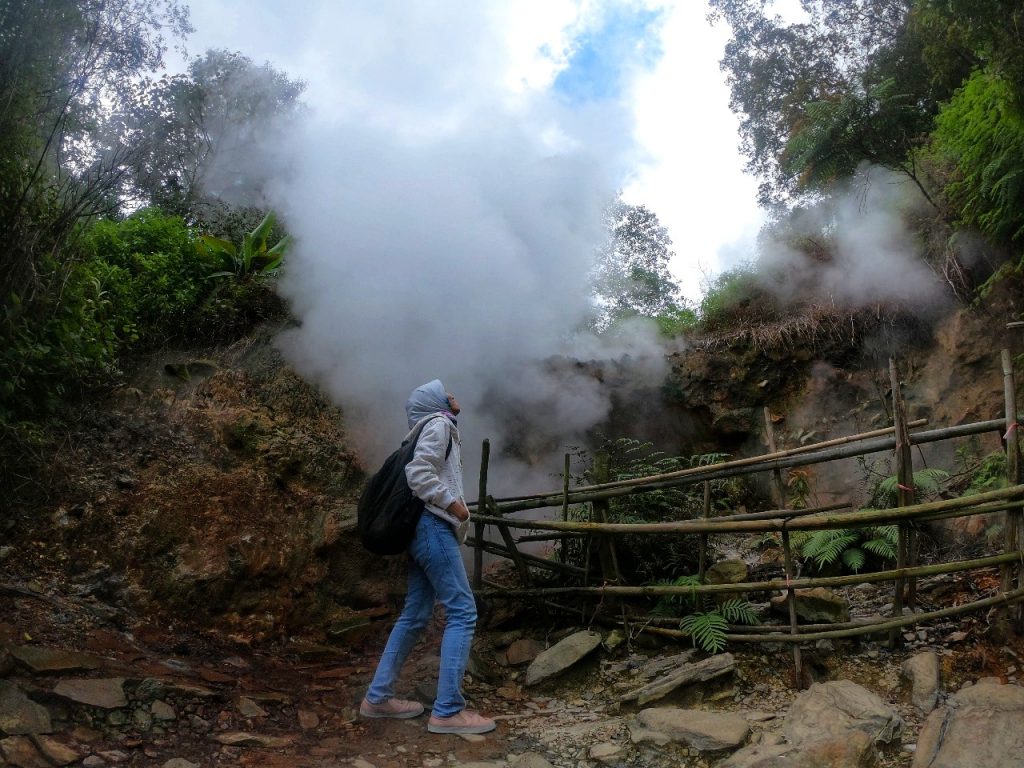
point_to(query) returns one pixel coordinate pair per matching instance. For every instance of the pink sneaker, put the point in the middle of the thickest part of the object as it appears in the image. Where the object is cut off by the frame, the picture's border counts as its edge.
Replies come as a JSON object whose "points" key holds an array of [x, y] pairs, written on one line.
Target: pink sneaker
{"points": [[462, 722], [396, 708]]}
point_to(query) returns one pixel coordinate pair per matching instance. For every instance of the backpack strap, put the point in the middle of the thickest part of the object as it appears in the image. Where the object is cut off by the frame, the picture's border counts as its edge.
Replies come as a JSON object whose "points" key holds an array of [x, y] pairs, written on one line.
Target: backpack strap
{"points": [[414, 438]]}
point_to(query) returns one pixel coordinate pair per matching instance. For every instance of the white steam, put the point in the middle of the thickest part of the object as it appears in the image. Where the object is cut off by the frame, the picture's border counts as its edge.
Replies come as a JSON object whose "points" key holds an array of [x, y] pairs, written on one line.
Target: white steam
{"points": [[872, 255], [444, 227]]}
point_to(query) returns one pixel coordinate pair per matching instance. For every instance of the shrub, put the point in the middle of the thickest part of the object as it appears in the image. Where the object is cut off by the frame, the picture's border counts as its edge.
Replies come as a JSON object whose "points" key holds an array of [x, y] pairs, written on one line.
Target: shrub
{"points": [[980, 133], [851, 546], [651, 559], [734, 299], [151, 271]]}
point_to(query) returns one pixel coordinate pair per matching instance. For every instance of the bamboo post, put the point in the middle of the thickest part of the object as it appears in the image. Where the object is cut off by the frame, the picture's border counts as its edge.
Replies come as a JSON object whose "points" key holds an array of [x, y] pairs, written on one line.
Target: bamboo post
{"points": [[513, 550], [565, 505], [787, 551], [1012, 573], [605, 548], [478, 531], [702, 559], [904, 486]]}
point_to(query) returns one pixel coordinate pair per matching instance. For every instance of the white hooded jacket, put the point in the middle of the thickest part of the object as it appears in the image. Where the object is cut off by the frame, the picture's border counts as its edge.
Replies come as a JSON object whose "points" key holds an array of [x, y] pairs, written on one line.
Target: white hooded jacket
{"points": [[432, 477]]}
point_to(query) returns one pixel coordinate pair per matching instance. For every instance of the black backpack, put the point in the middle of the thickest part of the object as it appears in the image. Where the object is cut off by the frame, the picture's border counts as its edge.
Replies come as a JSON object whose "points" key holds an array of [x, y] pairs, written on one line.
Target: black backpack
{"points": [[388, 510]]}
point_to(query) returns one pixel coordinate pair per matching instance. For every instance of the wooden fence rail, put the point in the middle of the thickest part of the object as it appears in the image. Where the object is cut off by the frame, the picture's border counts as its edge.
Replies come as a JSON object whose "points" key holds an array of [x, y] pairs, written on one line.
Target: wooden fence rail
{"points": [[907, 515]]}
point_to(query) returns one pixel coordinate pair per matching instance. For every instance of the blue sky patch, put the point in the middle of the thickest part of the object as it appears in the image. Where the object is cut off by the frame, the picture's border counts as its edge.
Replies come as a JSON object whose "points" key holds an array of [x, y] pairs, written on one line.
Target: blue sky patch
{"points": [[627, 37]]}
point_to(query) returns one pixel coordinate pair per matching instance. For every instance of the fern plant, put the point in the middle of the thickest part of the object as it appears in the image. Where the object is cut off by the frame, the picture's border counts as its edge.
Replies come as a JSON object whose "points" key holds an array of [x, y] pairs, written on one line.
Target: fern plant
{"points": [[707, 627], [851, 546], [926, 482]]}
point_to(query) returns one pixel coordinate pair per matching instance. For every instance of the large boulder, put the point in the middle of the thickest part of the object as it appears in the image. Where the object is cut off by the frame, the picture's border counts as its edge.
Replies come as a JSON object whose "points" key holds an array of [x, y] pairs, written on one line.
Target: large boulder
{"points": [[700, 730], [922, 671], [20, 715], [856, 750], [815, 606], [834, 709], [981, 726], [685, 674], [562, 655]]}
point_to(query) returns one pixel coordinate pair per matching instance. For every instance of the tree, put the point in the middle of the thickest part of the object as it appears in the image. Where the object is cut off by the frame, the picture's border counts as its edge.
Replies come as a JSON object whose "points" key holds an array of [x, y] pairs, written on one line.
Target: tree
{"points": [[631, 276], [980, 136], [205, 124], [65, 72], [818, 97], [64, 67]]}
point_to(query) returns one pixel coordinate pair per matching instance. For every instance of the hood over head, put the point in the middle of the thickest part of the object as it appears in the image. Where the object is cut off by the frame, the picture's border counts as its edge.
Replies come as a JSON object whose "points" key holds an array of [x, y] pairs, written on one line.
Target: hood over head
{"points": [[425, 400]]}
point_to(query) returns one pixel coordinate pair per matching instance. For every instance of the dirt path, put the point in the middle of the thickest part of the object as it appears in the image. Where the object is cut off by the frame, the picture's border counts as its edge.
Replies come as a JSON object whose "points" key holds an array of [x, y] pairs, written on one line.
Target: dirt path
{"points": [[205, 699]]}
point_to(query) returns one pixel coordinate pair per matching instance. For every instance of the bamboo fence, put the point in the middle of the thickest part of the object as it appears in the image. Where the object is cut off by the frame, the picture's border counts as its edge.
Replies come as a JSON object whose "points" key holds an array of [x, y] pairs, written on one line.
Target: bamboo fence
{"points": [[597, 532]]}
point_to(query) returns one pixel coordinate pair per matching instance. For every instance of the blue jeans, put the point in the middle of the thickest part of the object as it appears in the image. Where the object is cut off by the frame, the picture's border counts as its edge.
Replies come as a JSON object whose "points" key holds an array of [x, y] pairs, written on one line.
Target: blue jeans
{"points": [[436, 571]]}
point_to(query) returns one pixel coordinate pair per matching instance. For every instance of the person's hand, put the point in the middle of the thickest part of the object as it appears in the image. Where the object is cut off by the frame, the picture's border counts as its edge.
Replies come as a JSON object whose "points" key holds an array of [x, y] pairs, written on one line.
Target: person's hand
{"points": [[459, 510]]}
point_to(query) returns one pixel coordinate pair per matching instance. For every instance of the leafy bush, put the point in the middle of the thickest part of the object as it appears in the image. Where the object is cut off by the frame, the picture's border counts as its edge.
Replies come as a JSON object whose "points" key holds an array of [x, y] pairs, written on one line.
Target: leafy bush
{"points": [[254, 257], [45, 359], [706, 622], [986, 474], [734, 299], [980, 133], [926, 482], [708, 628], [650, 559], [852, 547], [676, 321], [149, 268]]}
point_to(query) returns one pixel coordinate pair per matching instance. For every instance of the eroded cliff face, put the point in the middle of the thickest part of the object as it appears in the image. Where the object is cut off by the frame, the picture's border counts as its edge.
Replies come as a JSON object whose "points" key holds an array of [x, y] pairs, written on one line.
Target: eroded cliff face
{"points": [[819, 382], [218, 490]]}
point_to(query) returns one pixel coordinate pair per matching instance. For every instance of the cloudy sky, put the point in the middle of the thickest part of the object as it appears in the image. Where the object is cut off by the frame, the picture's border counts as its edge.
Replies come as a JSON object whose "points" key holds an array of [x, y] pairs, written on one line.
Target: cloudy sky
{"points": [[657, 61]]}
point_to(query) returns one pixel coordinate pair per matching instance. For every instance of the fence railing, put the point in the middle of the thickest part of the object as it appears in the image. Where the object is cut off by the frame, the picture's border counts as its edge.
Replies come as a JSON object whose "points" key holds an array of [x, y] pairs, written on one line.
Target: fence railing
{"points": [[601, 534]]}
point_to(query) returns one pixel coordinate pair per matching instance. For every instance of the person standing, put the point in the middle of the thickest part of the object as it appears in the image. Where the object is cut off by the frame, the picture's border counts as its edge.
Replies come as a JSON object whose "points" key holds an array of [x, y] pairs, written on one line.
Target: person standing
{"points": [[436, 572]]}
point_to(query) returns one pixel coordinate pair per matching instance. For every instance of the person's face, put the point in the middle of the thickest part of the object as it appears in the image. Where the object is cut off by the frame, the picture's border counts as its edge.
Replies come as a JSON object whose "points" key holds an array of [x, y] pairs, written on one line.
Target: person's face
{"points": [[453, 404]]}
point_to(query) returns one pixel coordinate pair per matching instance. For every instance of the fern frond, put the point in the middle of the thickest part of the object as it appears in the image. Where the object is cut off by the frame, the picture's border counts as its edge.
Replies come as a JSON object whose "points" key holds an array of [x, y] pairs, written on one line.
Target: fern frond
{"points": [[881, 547], [707, 630], [825, 547], [739, 612], [930, 480], [854, 559]]}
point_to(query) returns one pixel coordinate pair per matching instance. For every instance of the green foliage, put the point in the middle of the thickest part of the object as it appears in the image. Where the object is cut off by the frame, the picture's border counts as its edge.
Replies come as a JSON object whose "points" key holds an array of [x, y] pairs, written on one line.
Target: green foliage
{"points": [[837, 134], [676, 321], [149, 268], [850, 546], [255, 257], [707, 622], [985, 474], [708, 628], [205, 119], [652, 559], [981, 134], [72, 347], [811, 90], [630, 276], [926, 482], [734, 299], [670, 605]]}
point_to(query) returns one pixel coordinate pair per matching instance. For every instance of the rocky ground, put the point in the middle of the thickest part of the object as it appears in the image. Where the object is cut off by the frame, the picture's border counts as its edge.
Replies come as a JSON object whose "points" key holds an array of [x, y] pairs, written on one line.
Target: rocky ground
{"points": [[81, 687]]}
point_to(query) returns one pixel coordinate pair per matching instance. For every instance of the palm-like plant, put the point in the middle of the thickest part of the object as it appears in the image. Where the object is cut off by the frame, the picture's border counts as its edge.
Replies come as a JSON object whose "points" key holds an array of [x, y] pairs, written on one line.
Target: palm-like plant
{"points": [[255, 256]]}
